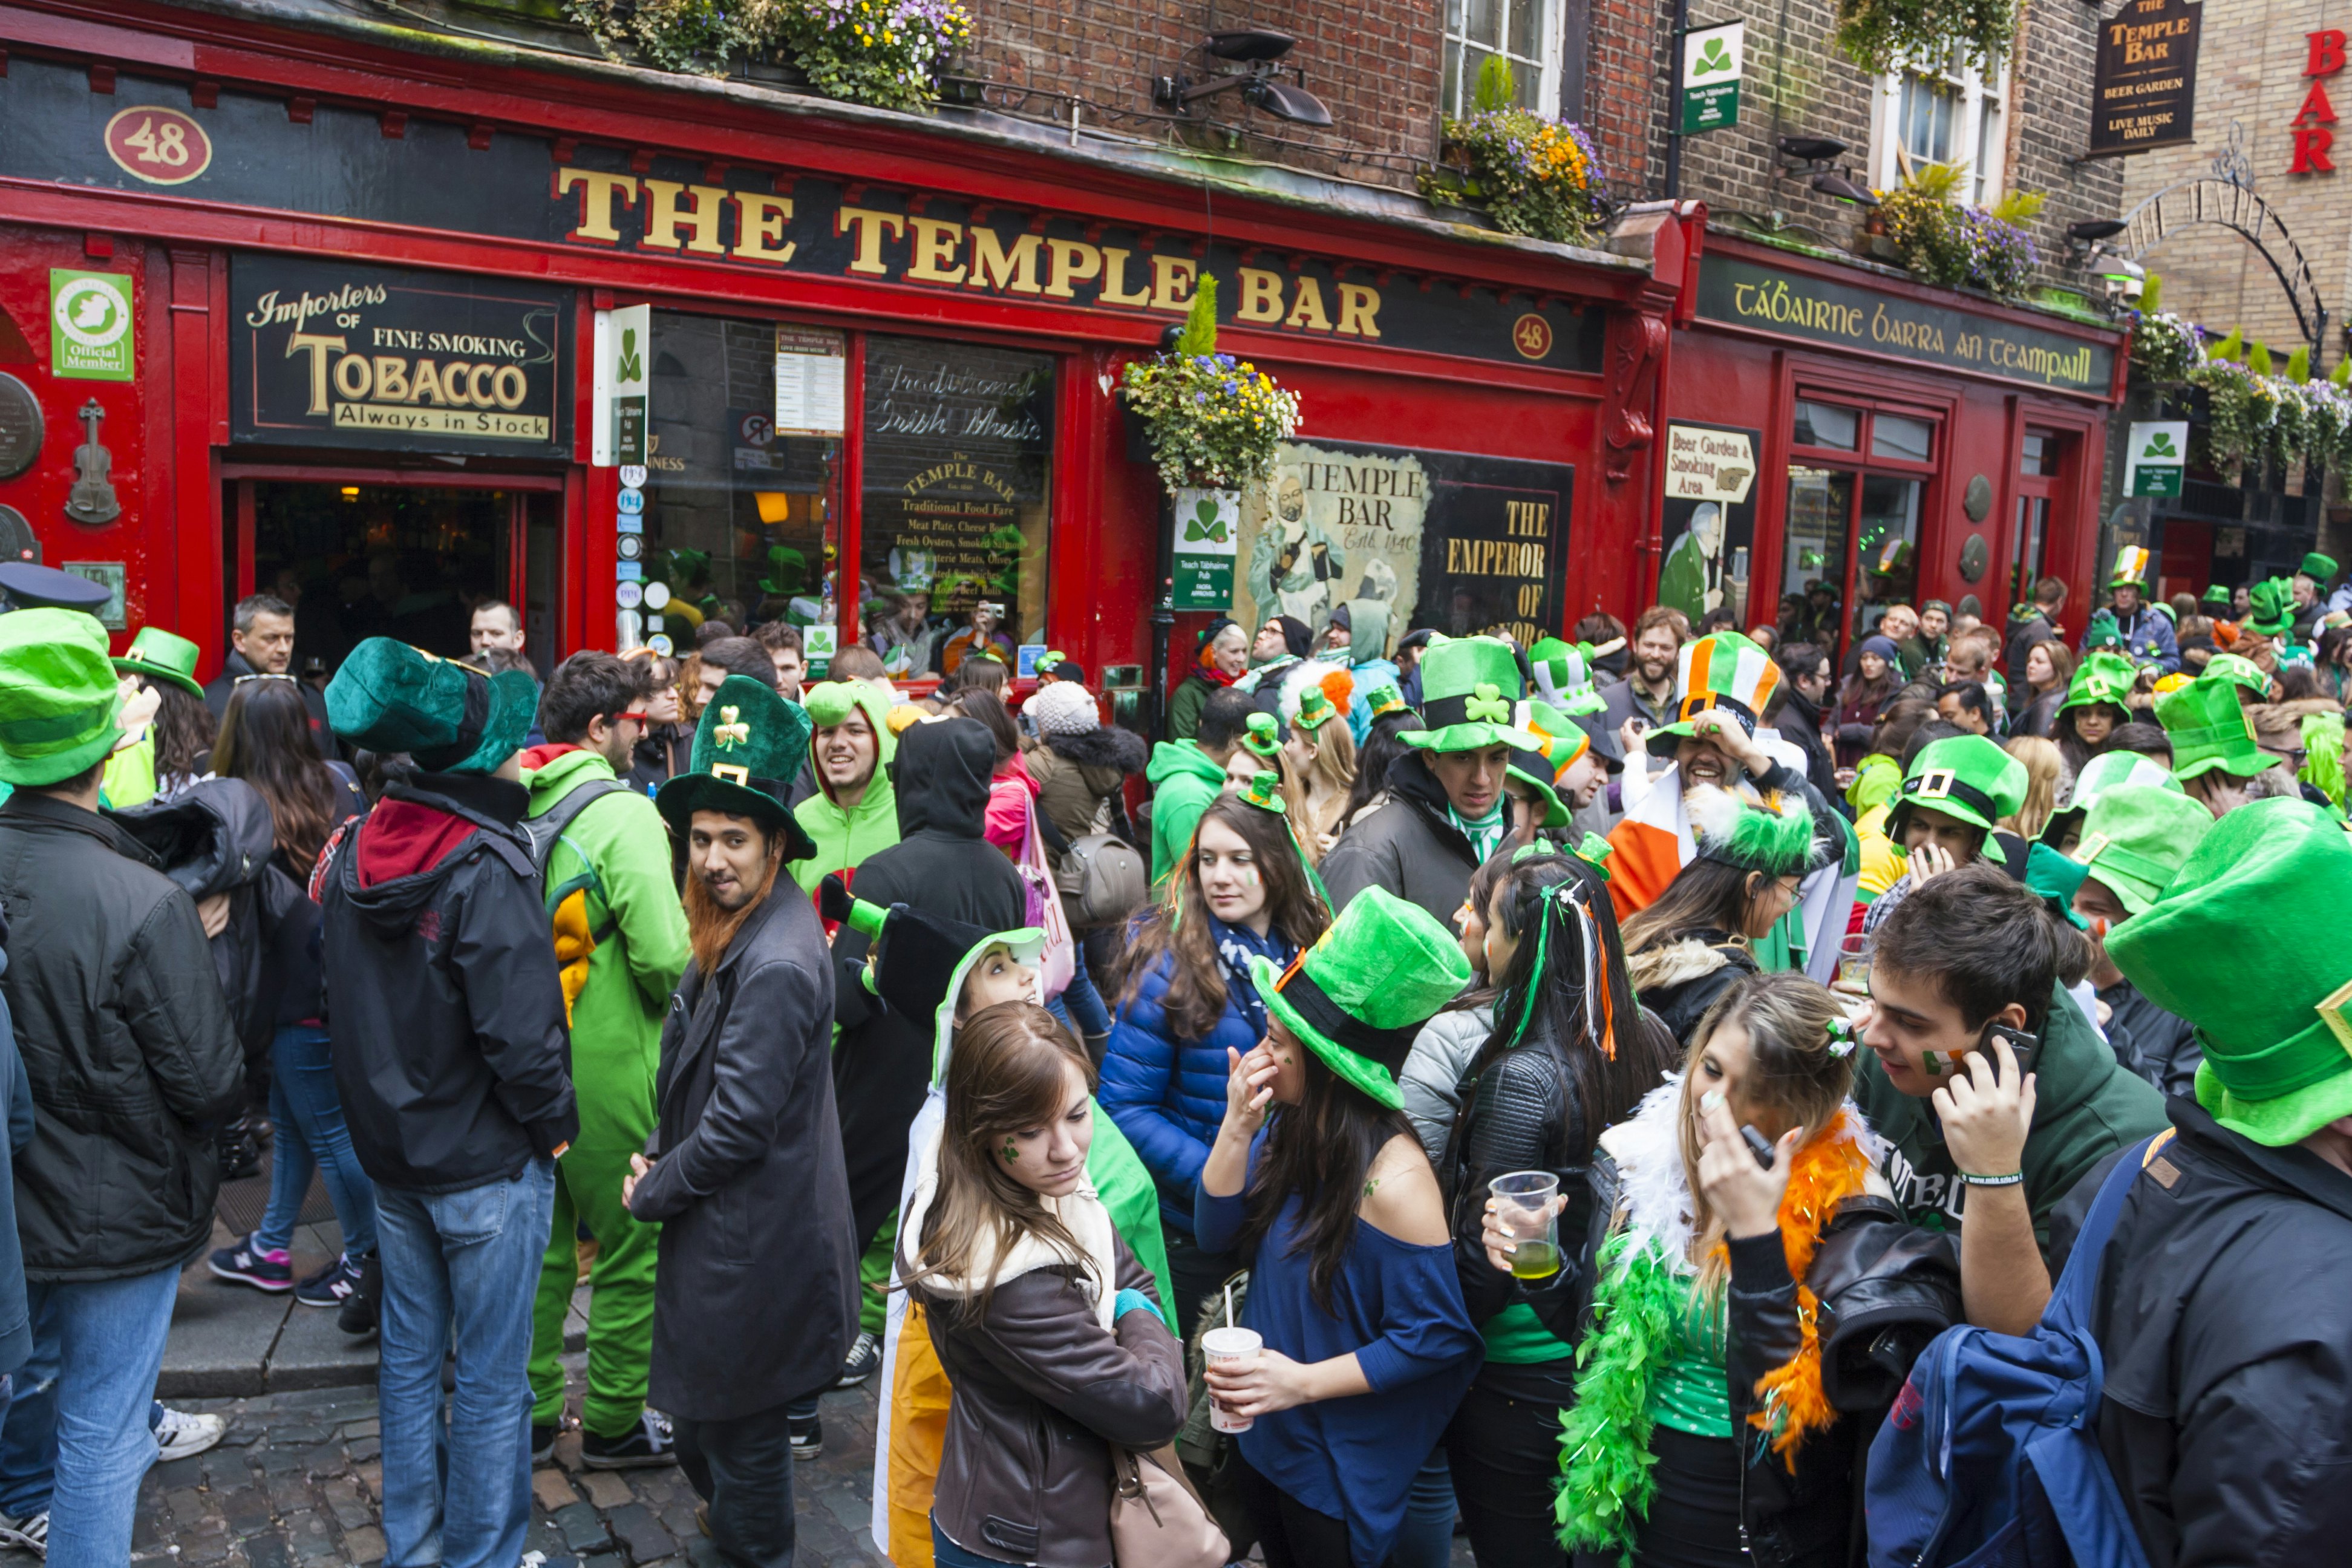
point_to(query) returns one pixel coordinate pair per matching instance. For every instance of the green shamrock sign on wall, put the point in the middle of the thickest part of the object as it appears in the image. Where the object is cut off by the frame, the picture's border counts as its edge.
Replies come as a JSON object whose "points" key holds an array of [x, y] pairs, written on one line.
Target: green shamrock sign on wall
{"points": [[2160, 446], [632, 368], [1205, 524], [1713, 58]]}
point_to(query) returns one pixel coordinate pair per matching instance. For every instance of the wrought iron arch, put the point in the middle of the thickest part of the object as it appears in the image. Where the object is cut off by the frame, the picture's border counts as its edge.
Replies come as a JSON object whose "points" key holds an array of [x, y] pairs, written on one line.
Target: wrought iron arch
{"points": [[2222, 199]]}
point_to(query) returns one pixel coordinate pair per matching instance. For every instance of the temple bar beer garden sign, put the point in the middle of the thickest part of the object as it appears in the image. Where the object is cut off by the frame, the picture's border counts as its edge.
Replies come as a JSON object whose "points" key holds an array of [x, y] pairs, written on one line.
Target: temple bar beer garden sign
{"points": [[325, 353], [2144, 93], [1794, 305], [340, 164]]}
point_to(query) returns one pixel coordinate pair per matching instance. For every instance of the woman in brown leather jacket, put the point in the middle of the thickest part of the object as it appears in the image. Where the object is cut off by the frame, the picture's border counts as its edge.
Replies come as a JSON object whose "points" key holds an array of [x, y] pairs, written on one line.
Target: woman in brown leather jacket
{"points": [[1044, 1322]]}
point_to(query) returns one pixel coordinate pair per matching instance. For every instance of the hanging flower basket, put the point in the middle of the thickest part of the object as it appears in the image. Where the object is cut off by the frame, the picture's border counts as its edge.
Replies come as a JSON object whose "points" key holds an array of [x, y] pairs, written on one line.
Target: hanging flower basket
{"points": [[887, 53], [1212, 421]]}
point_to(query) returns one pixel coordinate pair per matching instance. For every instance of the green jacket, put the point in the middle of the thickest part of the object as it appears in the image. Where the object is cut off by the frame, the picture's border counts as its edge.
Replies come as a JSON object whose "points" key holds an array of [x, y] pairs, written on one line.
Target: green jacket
{"points": [[1876, 781], [844, 838], [1126, 1190], [1183, 782], [2086, 1108], [632, 912]]}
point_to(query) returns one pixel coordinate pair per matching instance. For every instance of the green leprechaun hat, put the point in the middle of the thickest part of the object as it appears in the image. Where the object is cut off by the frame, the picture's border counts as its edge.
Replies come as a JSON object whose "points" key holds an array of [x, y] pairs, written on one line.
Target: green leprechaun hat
{"points": [[1264, 736], [58, 696], [1540, 767], [1264, 791], [448, 715], [1562, 674], [1774, 835], [1316, 710], [1468, 688], [2131, 568], [2319, 568], [2239, 670], [747, 750], [2103, 676], [1361, 992], [2210, 729], [921, 960], [1382, 699], [2217, 597], [2278, 1055], [2273, 611], [2108, 770], [1965, 776], [1721, 671], [2135, 838], [161, 656]]}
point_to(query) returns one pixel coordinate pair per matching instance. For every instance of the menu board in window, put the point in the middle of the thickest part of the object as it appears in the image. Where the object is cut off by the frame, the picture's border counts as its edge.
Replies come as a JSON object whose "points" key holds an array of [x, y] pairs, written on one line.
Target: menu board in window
{"points": [[958, 451]]}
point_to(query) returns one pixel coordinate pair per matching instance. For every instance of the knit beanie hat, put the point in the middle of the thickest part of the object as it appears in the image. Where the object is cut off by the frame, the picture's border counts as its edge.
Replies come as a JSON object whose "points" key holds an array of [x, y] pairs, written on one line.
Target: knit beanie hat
{"points": [[1062, 707]]}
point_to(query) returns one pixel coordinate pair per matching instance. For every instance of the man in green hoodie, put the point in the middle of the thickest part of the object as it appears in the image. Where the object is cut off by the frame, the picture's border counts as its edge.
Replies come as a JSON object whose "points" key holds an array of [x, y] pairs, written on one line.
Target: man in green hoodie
{"points": [[1970, 1132], [856, 810], [620, 939], [1186, 775]]}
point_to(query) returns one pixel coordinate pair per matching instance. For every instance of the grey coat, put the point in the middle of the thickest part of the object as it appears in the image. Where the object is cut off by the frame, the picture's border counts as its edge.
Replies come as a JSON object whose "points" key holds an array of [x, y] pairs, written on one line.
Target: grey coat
{"points": [[1406, 846], [755, 1285], [1434, 1070]]}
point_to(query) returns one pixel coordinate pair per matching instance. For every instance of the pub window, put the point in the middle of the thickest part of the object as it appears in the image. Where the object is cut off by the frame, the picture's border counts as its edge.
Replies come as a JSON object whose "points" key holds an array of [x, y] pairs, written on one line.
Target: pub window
{"points": [[958, 473], [1906, 440], [1526, 32], [1826, 425], [1949, 112], [1849, 542], [740, 519]]}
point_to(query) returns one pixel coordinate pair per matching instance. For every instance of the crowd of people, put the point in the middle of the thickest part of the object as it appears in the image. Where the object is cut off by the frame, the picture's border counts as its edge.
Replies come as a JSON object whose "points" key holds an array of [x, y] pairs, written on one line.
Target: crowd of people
{"points": [[1555, 1095]]}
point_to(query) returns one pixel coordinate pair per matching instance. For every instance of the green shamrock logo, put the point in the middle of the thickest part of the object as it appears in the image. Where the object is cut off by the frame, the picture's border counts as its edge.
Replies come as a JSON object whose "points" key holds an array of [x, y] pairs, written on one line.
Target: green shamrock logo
{"points": [[1205, 524], [632, 367], [1712, 57], [2160, 446], [1487, 703]]}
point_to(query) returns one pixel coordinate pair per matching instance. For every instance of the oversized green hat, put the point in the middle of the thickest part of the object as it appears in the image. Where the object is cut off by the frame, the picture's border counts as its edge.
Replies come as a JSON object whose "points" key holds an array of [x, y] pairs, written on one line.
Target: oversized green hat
{"points": [[1774, 835], [451, 717], [828, 702], [1315, 709], [2131, 568], [2135, 838], [2210, 729], [1468, 686], [2320, 569], [1966, 777], [747, 750], [2239, 670], [163, 655], [1721, 670], [2278, 1047], [2108, 770], [2273, 610], [2215, 593], [1360, 994], [58, 696], [2100, 677]]}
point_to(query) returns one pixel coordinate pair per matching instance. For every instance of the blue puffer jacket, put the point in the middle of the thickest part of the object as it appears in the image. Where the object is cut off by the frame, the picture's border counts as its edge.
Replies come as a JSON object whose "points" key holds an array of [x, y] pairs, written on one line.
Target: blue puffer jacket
{"points": [[1169, 1095]]}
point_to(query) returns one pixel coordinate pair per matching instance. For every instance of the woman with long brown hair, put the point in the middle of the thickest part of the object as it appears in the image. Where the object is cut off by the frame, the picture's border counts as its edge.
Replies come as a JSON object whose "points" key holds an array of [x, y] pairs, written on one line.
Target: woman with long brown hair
{"points": [[1186, 997], [1044, 1321]]}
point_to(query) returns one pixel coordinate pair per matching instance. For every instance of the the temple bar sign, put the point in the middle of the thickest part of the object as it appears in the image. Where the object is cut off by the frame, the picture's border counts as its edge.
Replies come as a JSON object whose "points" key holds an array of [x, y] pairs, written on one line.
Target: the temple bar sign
{"points": [[2314, 125], [1740, 293], [2144, 91]]}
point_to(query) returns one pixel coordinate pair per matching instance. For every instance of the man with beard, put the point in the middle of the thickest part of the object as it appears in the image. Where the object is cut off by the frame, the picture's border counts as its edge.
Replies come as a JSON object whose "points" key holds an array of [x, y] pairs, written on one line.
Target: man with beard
{"points": [[754, 1296], [2146, 634], [1645, 698]]}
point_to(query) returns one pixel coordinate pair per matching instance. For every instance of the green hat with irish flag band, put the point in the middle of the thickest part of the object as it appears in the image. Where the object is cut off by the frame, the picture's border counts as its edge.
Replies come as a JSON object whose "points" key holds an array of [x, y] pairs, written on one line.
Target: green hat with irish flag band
{"points": [[1723, 670], [1468, 688], [1541, 767], [2131, 568]]}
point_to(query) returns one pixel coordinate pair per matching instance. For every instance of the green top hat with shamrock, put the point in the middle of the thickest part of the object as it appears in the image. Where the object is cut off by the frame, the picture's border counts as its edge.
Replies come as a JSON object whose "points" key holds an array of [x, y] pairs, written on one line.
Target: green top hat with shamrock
{"points": [[1264, 736], [2278, 1054], [1316, 710], [2217, 597], [1723, 671], [1264, 791], [2131, 568], [2210, 729], [1773, 835], [1468, 686], [449, 716], [1968, 777], [2239, 670], [1382, 699], [2320, 569], [2272, 609], [161, 656], [1361, 992], [58, 696], [921, 960], [2135, 838], [2101, 677], [2108, 770], [747, 750]]}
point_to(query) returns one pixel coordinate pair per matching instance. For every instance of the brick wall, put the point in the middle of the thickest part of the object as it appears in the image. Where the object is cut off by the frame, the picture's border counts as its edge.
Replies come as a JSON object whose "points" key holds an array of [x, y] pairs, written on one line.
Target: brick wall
{"points": [[1374, 62], [2251, 58]]}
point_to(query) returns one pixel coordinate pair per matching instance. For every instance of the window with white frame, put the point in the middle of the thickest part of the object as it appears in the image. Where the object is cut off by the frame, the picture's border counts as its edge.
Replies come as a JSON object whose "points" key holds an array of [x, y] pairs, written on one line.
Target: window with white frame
{"points": [[1950, 113], [1526, 33]]}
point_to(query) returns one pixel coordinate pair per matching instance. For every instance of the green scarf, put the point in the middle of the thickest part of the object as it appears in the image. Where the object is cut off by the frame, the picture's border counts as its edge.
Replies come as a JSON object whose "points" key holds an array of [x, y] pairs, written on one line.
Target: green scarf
{"points": [[1484, 833], [1604, 1441]]}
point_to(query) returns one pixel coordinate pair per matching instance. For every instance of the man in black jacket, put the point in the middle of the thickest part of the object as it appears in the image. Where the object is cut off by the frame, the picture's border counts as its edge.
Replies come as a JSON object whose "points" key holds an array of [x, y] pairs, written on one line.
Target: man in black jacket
{"points": [[261, 643], [755, 1288], [130, 1052], [454, 1067], [2221, 1310]]}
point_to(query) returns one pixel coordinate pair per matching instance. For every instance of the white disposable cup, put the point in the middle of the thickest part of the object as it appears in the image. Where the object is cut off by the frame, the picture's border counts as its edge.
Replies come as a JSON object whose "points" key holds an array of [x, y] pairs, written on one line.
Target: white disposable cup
{"points": [[1227, 1345]]}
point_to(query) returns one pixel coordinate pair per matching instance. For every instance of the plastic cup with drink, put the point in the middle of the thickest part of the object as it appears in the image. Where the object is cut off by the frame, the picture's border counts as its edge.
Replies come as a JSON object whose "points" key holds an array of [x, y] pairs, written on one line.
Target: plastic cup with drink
{"points": [[1526, 1212], [1230, 1346]]}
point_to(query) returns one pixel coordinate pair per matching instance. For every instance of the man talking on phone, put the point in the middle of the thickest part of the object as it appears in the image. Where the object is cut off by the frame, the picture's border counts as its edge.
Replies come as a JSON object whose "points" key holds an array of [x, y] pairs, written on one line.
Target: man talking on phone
{"points": [[1991, 1089]]}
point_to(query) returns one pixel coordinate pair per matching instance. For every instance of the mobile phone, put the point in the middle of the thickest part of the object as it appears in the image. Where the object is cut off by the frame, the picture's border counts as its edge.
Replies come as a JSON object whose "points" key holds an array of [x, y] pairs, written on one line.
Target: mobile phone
{"points": [[1758, 1145], [1639, 725], [2026, 1048]]}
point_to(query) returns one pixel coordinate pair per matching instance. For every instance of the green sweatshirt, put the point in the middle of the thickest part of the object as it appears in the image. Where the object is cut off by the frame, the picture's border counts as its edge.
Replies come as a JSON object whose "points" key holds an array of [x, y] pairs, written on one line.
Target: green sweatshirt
{"points": [[1184, 779], [2086, 1108], [844, 838], [632, 911]]}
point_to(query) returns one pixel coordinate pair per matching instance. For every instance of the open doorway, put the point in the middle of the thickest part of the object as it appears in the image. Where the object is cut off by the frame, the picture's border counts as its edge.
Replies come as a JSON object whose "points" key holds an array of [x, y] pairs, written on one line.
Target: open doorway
{"points": [[364, 556]]}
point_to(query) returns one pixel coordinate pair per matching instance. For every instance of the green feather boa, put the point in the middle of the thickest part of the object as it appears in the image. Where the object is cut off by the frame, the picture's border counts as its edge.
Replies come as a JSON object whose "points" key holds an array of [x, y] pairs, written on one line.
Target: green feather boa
{"points": [[1605, 1442]]}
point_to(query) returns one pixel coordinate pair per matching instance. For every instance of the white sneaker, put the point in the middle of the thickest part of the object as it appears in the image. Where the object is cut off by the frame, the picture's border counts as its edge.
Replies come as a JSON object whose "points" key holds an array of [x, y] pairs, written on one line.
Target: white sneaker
{"points": [[27, 1534], [183, 1433]]}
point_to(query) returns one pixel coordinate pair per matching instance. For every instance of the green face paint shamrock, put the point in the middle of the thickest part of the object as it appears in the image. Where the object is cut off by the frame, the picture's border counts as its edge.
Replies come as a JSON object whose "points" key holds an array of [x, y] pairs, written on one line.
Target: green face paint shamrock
{"points": [[1487, 703], [1011, 1152]]}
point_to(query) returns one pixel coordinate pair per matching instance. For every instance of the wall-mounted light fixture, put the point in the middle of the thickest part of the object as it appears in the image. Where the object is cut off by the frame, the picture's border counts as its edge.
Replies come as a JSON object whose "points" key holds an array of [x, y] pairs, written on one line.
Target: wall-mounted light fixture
{"points": [[1260, 82]]}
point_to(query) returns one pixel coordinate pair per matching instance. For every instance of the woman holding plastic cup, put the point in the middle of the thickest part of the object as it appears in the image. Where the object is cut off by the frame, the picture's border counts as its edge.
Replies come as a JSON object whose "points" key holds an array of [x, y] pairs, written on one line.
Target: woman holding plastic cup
{"points": [[1569, 1054], [1317, 1179]]}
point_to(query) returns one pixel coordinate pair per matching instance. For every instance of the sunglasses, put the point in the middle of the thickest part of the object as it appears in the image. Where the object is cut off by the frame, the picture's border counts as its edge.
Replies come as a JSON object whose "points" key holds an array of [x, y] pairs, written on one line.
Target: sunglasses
{"points": [[241, 680]]}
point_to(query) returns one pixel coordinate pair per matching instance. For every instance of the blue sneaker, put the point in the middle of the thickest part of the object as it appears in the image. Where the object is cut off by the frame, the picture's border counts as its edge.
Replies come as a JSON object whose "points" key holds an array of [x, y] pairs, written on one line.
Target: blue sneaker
{"points": [[248, 1265]]}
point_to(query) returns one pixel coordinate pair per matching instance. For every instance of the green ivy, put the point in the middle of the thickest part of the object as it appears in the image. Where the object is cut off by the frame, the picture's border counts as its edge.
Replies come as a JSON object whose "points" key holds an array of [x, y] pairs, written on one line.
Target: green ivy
{"points": [[1879, 34]]}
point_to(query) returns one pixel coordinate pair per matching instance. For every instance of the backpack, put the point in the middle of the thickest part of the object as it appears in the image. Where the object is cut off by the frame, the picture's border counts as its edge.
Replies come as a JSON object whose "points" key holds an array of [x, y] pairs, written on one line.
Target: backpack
{"points": [[1102, 879], [1991, 1457], [567, 901]]}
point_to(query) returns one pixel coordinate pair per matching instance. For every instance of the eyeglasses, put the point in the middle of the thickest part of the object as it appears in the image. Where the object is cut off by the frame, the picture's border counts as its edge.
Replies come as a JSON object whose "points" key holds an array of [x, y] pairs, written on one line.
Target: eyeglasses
{"points": [[266, 675], [638, 716]]}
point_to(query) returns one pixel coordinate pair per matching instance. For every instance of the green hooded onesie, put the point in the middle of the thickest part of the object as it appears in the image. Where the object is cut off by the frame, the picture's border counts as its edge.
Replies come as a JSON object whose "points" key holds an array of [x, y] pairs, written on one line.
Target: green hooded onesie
{"points": [[618, 995], [1184, 779], [844, 838]]}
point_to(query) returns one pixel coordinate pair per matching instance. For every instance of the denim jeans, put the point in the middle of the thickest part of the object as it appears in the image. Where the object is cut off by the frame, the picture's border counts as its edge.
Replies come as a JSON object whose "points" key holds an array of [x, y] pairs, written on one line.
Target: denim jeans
{"points": [[743, 1470], [309, 1117], [1426, 1539], [457, 1484], [28, 1433], [109, 1338]]}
